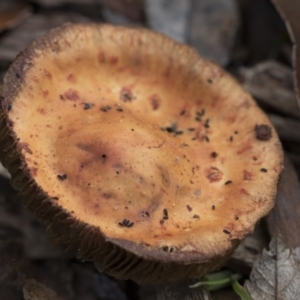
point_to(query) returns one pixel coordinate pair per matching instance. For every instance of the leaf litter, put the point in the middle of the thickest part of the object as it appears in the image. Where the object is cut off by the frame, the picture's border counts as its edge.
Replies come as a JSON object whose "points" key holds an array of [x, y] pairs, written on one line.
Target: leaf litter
{"points": [[277, 274]]}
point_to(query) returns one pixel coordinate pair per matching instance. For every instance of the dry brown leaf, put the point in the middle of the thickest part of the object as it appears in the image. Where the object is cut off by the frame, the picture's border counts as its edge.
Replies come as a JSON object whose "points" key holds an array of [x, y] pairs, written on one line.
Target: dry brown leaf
{"points": [[132, 9], [38, 24], [290, 12], [277, 274], [13, 13], [283, 127], [33, 290], [284, 218], [272, 84]]}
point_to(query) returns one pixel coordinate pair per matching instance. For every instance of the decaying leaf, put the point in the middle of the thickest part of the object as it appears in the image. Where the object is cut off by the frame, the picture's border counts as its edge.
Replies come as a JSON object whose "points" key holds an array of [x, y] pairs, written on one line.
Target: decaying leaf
{"points": [[33, 290], [284, 125], [13, 13], [284, 219], [169, 16], [249, 251], [276, 275], [290, 11], [16, 40], [212, 28], [132, 9], [272, 84]]}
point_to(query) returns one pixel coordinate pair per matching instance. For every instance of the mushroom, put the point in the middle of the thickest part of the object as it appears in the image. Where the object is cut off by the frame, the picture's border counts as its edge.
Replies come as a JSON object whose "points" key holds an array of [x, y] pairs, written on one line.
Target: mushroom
{"points": [[147, 159]]}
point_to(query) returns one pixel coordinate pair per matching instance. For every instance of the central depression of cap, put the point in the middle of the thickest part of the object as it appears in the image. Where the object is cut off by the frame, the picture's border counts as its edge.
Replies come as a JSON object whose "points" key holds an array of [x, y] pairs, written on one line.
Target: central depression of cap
{"points": [[139, 136]]}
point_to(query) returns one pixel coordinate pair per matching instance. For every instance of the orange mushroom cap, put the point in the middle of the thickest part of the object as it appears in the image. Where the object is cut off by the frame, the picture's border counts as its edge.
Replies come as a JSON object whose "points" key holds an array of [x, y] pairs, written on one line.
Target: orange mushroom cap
{"points": [[149, 160]]}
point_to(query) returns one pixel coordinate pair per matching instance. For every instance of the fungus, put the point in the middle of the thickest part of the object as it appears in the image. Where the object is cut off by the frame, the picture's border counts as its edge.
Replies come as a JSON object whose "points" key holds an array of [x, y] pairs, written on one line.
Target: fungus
{"points": [[76, 168]]}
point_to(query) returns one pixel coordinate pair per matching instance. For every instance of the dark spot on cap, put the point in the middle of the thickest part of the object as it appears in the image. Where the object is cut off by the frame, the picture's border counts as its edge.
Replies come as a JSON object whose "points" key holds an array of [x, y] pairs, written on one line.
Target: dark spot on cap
{"points": [[231, 139], [106, 196], [178, 132], [155, 102], [226, 231], [247, 175], [126, 223], [172, 128], [263, 170], [105, 108], [189, 208], [18, 75], [263, 132], [196, 216], [126, 95], [88, 105], [165, 213], [213, 207], [182, 112], [71, 95], [228, 182], [104, 157], [214, 174], [62, 177], [214, 154], [145, 214], [206, 124], [209, 80], [200, 113]]}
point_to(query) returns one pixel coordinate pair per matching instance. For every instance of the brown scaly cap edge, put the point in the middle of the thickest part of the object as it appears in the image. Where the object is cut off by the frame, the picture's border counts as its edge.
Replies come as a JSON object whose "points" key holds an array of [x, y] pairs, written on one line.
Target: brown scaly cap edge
{"points": [[118, 257]]}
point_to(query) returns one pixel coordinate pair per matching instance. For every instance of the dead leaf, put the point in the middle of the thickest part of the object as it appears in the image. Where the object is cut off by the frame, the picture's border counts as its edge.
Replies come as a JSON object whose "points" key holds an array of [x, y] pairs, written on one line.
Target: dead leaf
{"points": [[34, 290], [13, 13], [290, 12], [283, 127], [272, 84], [38, 24], [132, 9], [249, 251], [169, 17], [212, 28], [263, 32], [276, 275], [284, 218]]}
